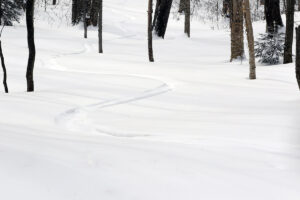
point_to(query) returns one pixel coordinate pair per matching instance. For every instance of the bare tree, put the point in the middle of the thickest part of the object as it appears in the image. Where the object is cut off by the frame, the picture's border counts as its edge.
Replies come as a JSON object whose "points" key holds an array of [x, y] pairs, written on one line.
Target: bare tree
{"points": [[31, 44], [161, 17], [150, 48], [250, 38], [185, 7], [3, 65], [237, 29], [100, 19], [298, 55], [289, 34]]}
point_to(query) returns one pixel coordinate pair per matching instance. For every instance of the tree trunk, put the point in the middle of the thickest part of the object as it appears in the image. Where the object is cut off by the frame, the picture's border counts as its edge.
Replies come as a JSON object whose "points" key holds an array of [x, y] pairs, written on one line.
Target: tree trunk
{"points": [[298, 55], [54, 2], [298, 5], [84, 17], [250, 38], [74, 11], [150, 48], [4, 69], [1, 12], [237, 32], [187, 19], [161, 16], [100, 19], [273, 16], [31, 45], [289, 34]]}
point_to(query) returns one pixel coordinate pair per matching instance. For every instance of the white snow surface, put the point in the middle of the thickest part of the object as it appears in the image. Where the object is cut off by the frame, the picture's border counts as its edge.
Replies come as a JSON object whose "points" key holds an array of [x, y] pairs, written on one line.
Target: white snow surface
{"points": [[190, 126]]}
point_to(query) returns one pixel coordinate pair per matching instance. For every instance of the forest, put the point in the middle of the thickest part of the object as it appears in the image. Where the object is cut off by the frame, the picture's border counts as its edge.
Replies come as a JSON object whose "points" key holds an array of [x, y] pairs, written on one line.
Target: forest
{"points": [[150, 99]]}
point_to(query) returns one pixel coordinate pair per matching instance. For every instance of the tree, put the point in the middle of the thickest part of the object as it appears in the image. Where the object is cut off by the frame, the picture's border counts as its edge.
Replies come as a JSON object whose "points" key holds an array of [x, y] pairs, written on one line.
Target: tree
{"points": [[100, 19], [31, 45], [150, 48], [185, 7], [237, 32], [272, 14], [95, 11], [10, 11], [298, 55], [250, 38], [85, 11], [3, 65], [161, 17], [289, 34]]}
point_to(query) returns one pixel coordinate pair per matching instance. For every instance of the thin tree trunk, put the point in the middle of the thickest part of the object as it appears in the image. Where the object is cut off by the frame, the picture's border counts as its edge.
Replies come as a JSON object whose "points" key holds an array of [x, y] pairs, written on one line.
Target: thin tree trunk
{"points": [[1, 12], [298, 55], [31, 45], [150, 48], [289, 35], [298, 5], [4, 69], [187, 19], [237, 29], [100, 20], [54, 2], [84, 17], [250, 38]]}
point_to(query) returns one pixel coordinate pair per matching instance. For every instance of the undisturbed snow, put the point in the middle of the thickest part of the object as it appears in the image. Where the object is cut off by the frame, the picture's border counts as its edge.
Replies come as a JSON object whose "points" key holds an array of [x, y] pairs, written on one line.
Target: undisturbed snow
{"points": [[114, 126]]}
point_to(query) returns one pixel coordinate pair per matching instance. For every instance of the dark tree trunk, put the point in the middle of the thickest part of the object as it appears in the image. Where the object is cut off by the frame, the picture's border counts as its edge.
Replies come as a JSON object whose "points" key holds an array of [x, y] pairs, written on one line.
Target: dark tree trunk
{"points": [[54, 2], [185, 7], [298, 5], [187, 19], [4, 69], [85, 25], [272, 14], [150, 48], [100, 19], [1, 12], [31, 45], [298, 55], [74, 11], [289, 35], [161, 16]]}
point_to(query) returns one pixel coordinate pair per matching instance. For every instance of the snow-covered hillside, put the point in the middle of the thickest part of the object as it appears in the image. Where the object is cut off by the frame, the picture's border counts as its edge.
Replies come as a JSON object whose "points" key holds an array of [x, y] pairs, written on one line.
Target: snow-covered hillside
{"points": [[190, 126]]}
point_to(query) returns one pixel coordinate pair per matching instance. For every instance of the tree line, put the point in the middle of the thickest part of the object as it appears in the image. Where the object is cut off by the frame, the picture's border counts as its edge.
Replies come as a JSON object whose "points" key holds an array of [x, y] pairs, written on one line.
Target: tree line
{"points": [[90, 13]]}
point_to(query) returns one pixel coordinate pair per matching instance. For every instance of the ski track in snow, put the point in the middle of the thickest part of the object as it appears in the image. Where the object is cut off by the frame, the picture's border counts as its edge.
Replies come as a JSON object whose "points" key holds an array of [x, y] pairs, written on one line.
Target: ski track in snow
{"points": [[77, 119]]}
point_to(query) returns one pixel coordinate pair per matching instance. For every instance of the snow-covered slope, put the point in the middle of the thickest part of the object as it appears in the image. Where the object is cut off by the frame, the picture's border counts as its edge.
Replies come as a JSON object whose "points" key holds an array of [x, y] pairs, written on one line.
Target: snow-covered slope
{"points": [[115, 127]]}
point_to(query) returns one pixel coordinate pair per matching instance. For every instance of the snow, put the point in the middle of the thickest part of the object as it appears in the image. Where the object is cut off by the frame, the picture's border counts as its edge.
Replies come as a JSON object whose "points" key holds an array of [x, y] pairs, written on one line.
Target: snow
{"points": [[114, 126]]}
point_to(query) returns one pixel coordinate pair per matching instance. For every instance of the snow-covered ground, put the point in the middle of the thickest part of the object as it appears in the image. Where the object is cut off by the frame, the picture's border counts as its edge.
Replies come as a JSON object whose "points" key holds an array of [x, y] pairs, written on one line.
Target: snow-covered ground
{"points": [[115, 127]]}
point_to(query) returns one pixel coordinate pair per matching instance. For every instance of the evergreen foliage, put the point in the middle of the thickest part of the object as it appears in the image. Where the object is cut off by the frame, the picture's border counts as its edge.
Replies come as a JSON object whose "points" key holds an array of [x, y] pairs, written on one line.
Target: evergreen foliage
{"points": [[10, 11], [269, 48]]}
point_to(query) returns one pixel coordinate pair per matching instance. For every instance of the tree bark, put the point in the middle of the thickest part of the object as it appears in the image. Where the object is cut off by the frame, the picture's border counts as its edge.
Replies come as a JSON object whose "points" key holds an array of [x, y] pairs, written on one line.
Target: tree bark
{"points": [[250, 38], [298, 55], [4, 70], [84, 17], [100, 22], [237, 29], [289, 34], [150, 47], [187, 18], [31, 45], [161, 17]]}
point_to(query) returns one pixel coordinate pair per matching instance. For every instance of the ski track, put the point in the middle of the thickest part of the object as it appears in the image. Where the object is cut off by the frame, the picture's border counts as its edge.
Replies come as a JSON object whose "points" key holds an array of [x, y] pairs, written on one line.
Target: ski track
{"points": [[76, 119]]}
